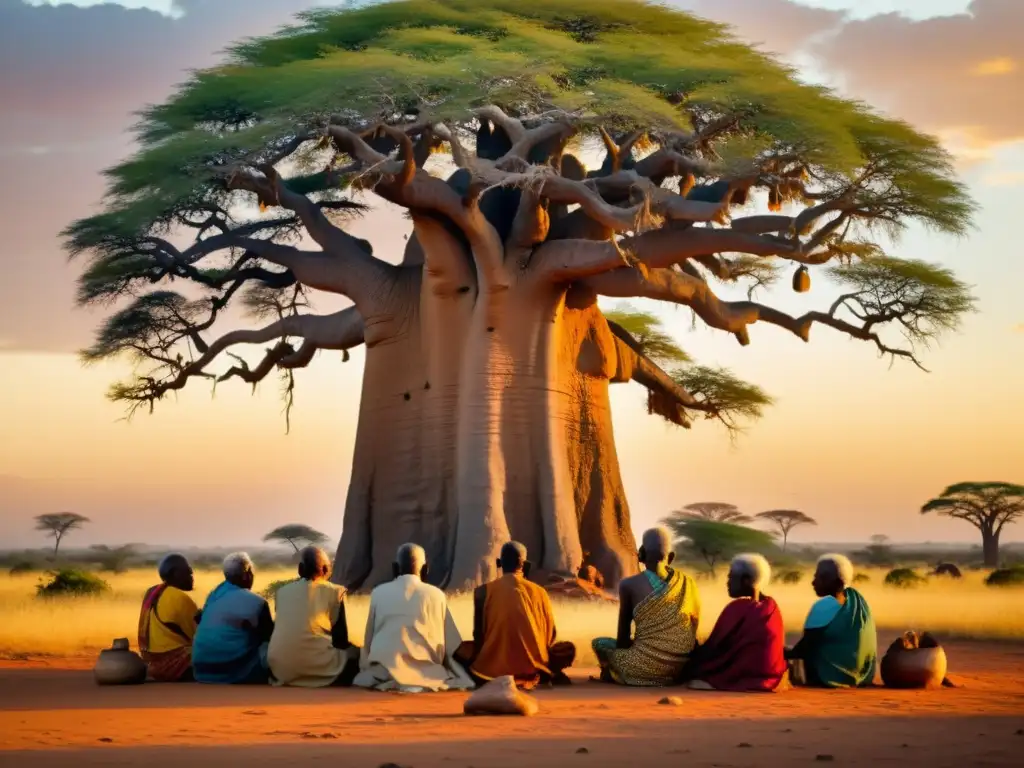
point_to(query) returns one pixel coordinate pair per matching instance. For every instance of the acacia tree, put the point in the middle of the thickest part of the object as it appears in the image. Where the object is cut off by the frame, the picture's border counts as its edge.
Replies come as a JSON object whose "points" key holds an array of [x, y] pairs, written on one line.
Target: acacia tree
{"points": [[716, 542], [786, 520], [58, 525], [295, 534], [547, 154], [986, 506], [715, 511]]}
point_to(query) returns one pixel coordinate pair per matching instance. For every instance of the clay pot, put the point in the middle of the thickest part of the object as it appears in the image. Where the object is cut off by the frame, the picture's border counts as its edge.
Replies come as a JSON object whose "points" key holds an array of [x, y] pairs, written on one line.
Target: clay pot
{"points": [[914, 668], [119, 665]]}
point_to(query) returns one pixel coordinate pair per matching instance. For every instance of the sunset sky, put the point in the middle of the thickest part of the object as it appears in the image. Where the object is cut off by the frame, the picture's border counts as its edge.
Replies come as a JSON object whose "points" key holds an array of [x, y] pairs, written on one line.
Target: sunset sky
{"points": [[851, 441]]}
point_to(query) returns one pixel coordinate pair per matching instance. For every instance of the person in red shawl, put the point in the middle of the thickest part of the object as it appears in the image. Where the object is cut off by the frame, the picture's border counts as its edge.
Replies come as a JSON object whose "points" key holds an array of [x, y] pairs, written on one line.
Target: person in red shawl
{"points": [[745, 650]]}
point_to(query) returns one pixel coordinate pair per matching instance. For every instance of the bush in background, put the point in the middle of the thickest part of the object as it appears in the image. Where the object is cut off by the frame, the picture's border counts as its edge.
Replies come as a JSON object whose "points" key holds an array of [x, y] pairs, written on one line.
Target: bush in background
{"points": [[904, 578], [70, 582], [791, 576], [22, 566], [1006, 577]]}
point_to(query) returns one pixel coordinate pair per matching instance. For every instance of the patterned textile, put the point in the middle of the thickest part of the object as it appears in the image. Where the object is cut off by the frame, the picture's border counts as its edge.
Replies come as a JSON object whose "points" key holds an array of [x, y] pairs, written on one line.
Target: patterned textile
{"points": [[665, 634], [171, 666]]}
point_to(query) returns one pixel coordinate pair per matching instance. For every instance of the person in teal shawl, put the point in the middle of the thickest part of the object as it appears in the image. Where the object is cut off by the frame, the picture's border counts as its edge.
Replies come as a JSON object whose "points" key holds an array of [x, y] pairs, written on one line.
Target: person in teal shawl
{"points": [[231, 640], [839, 647]]}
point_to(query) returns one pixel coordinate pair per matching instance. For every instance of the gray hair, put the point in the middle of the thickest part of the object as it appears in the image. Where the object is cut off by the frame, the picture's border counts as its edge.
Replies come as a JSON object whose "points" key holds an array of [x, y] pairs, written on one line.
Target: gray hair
{"points": [[410, 558], [754, 566], [842, 566], [236, 565], [168, 563], [657, 541]]}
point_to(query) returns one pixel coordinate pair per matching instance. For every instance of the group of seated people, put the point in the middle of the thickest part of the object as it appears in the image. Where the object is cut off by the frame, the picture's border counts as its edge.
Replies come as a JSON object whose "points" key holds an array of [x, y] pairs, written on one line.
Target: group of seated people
{"points": [[412, 644]]}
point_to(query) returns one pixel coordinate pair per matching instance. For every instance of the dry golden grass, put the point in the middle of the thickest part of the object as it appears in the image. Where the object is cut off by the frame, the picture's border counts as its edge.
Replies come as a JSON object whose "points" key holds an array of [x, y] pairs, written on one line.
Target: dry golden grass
{"points": [[29, 626]]}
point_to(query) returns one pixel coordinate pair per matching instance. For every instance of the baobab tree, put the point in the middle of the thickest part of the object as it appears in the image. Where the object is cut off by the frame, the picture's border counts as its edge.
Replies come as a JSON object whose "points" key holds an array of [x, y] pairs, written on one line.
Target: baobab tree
{"points": [[989, 507], [295, 534], [547, 154], [715, 511], [786, 520], [58, 525]]}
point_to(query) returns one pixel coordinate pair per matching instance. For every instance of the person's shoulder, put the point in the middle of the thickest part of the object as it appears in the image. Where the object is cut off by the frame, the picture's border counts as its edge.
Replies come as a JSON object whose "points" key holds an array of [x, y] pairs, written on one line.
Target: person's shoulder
{"points": [[178, 595], [434, 593]]}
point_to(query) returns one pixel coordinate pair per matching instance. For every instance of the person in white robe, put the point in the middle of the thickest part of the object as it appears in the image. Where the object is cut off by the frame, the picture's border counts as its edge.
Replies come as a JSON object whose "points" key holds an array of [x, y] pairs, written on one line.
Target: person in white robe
{"points": [[411, 637]]}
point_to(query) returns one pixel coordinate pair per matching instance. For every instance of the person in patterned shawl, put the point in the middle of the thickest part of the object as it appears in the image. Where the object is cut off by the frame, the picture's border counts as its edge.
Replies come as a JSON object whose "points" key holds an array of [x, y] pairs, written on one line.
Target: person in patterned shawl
{"points": [[658, 613]]}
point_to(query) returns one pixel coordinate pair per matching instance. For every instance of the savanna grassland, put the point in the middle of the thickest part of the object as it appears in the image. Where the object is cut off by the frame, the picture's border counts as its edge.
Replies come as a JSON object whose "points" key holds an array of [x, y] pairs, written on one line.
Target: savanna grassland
{"points": [[82, 625]]}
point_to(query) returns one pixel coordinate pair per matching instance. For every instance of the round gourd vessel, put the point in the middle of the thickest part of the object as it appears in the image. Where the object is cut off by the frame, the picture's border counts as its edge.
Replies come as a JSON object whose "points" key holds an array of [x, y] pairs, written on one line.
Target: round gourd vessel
{"points": [[914, 668], [119, 665]]}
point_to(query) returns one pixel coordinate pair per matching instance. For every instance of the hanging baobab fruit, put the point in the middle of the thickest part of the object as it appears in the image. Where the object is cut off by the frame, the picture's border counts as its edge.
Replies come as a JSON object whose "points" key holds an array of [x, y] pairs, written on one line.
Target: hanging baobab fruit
{"points": [[802, 280]]}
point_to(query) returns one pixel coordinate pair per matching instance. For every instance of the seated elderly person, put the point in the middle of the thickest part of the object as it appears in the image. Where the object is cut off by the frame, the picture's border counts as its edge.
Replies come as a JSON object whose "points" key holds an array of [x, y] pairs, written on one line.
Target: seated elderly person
{"points": [[234, 633], [411, 636], [167, 622], [514, 629], [839, 647], [746, 649], [310, 647], [663, 605]]}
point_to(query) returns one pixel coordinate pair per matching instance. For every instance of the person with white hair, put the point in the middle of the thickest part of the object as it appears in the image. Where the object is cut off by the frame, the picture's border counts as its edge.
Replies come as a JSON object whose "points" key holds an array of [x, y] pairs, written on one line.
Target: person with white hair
{"points": [[839, 647], [310, 646], [411, 637], [167, 622], [662, 604], [746, 649], [234, 631]]}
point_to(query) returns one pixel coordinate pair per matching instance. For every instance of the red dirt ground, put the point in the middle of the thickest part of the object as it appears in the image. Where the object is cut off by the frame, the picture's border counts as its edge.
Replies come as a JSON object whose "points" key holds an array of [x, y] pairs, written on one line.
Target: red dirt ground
{"points": [[52, 714]]}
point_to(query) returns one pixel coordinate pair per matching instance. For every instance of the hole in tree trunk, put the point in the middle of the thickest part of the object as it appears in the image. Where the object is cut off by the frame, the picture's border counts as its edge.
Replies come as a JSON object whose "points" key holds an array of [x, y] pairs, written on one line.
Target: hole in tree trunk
{"points": [[407, 396], [463, 289], [427, 385], [490, 329]]}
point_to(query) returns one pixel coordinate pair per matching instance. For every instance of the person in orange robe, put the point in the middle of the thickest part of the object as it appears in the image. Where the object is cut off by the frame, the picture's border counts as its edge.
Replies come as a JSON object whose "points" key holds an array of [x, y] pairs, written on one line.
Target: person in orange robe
{"points": [[514, 629], [746, 649]]}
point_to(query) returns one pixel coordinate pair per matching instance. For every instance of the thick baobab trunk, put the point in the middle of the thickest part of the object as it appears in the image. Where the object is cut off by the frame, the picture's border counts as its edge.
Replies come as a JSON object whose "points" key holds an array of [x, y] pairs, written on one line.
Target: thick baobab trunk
{"points": [[990, 547], [384, 507], [588, 364]]}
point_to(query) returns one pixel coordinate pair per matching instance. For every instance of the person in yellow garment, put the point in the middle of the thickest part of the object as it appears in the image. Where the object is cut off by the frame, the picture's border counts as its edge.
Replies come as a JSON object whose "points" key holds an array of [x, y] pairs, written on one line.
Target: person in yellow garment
{"points": [[662, 604], [310, 647], [167, 622]]}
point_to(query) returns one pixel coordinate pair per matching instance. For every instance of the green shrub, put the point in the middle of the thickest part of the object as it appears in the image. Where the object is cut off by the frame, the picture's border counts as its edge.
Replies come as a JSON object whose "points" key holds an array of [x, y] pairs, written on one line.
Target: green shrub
{"points": [[69, 582], [792, 576], [1006, 577], [904, 578], [861, 578], [22, 566], [271, 591]]}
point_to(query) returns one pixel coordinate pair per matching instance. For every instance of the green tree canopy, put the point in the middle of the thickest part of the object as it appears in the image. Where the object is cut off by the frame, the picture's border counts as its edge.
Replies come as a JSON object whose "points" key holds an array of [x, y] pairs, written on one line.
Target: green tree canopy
{"points": [[785, 520], [717, 542], [711, 107]]}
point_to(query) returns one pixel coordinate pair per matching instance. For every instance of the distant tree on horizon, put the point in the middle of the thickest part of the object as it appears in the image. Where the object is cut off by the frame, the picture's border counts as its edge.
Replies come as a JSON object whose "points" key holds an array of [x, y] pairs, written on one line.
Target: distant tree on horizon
{"points": [[786, 520], [987, 506], [296, 532], [714, 511], [716, 541], [58, 525]]}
